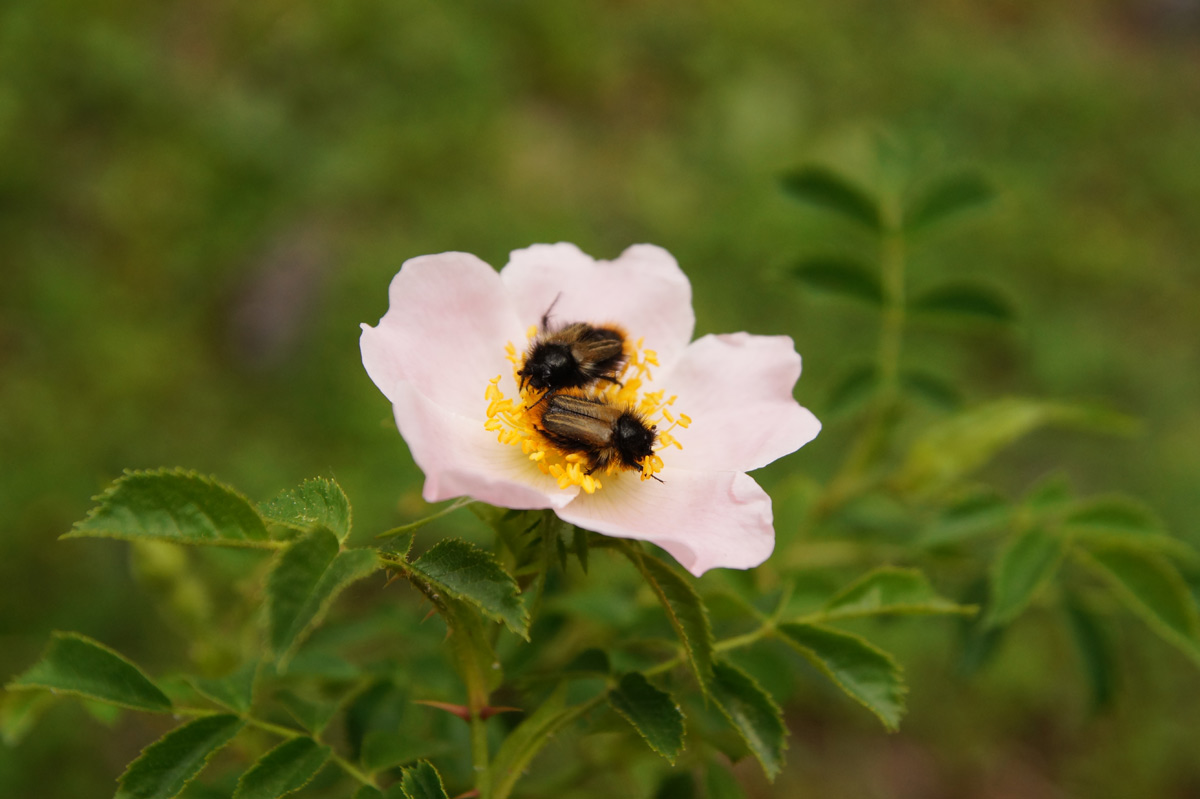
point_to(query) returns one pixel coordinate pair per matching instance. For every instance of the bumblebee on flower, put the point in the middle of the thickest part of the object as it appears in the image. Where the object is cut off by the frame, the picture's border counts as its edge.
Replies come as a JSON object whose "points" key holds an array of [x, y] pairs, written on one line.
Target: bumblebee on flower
{"points": [[497, 428]]}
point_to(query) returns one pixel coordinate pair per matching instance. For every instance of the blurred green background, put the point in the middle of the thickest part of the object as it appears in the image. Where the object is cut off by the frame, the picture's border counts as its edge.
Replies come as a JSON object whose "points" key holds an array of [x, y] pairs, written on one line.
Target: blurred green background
{"points": [[199, 202]]}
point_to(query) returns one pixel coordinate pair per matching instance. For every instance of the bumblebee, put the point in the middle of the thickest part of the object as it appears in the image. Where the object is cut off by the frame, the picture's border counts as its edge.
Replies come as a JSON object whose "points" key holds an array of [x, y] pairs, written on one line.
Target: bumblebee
{"points": [[573, 356], [607, 435]]}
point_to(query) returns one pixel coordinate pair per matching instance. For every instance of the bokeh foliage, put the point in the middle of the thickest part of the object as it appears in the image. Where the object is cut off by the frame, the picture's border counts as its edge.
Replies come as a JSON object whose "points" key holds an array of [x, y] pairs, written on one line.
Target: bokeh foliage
{"points": [[199, 202]]}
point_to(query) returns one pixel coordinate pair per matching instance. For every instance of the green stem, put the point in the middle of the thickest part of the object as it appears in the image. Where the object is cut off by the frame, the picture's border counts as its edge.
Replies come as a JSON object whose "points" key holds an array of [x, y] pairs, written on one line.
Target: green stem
{"points": [[480, 759], [854, 475], [461, 502]]}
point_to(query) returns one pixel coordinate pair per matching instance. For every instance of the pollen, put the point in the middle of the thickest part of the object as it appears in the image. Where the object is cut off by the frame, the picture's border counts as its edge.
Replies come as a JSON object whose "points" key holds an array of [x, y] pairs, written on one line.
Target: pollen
{"points": [[514, 420]]}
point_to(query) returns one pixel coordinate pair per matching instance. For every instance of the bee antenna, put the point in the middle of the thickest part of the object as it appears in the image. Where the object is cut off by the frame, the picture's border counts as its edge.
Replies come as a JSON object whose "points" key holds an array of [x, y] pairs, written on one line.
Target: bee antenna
{"points": [[546, 315], [654, 477]]}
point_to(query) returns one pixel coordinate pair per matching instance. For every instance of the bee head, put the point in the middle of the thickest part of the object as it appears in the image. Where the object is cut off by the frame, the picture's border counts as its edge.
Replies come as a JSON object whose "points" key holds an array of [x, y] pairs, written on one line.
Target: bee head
{"points": [[545, 366]]}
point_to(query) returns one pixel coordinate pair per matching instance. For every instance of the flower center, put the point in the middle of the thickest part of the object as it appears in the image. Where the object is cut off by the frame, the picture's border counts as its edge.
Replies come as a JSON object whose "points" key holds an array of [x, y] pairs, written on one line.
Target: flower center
{"points": [[598, 424]]}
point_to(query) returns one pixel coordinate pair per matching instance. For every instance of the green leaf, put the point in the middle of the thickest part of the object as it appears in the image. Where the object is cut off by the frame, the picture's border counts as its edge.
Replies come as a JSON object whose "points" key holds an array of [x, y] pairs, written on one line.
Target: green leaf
{"points": [[930, 389], [886, 591], [75, 664], [859, 385], [465, 572], [947, 198], [173, 505], [841, 276], [864, 672], [1095, 650], [720, 784], [1153, 589], [950, 449], [524, 742], [1027, 561], [422, 781], [973, 515], [753, 714], [166, 766], [317, 502], [234, 691], [1049, 493], [384, 749], [966, 301], [685, 610], [827, 189], [305, 580], [653, 713], [19, 711], [1123, 520], [286, 768]]}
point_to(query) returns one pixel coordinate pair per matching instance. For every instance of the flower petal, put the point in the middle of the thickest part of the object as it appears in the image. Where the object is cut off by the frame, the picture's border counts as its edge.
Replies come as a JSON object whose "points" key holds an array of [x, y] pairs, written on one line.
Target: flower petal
{"points": [[448, 320], [643, 290], [460, 458], [737, 389], [704, 519]]}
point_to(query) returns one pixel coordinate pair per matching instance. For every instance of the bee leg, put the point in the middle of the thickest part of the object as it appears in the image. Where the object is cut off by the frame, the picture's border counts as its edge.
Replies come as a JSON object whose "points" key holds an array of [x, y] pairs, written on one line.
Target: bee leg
{"points": [[612, 380], [546, 315]]}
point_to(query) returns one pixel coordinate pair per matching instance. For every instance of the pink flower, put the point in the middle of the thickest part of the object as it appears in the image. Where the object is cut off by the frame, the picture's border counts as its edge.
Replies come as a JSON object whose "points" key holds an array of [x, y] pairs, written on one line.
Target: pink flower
{"points": [[446, 354]]}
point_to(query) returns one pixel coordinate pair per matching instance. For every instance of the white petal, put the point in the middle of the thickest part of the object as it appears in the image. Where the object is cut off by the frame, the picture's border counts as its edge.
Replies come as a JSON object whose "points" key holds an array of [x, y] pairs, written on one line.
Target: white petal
{"points": [[460, 458], [644, 291], [737, 389], [704, 519], [447, 323]]}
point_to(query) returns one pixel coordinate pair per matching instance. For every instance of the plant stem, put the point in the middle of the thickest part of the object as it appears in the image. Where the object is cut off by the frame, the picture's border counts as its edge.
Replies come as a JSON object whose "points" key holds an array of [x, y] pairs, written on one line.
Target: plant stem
{"points": [[872, 442], [461, 502], [479, 755]]}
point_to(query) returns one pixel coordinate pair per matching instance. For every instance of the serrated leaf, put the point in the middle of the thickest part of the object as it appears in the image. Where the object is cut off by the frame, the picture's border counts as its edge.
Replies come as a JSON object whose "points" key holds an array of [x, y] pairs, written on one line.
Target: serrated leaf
{"points": [[422, 781], [930, 389], [829, 190], [234, 691], [859, 385], [684, 608], [1027, 561], [864, 672], [466, 572], [653, 713], [753, 714], [316, 502], [579, 545], [947, 198], [967, 301], [1095, 650], [973, 515], [841, 276], [75, 664], [166, 766], [953, 448], [720, 784], [173, 505], [286, 768], [305, 580], [1154, 590], [19, 711], [886, 591]]}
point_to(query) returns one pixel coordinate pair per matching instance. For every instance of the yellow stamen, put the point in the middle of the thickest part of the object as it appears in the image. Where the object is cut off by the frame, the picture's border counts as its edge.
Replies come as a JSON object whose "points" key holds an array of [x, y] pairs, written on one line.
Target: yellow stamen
{"points": [[513, 423]]}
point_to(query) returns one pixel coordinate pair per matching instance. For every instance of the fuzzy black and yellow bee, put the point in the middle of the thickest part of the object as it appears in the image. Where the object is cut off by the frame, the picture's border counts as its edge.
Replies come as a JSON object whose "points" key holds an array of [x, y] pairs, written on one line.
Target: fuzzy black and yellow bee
{"points": [[573, 356], [605, 434]]}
